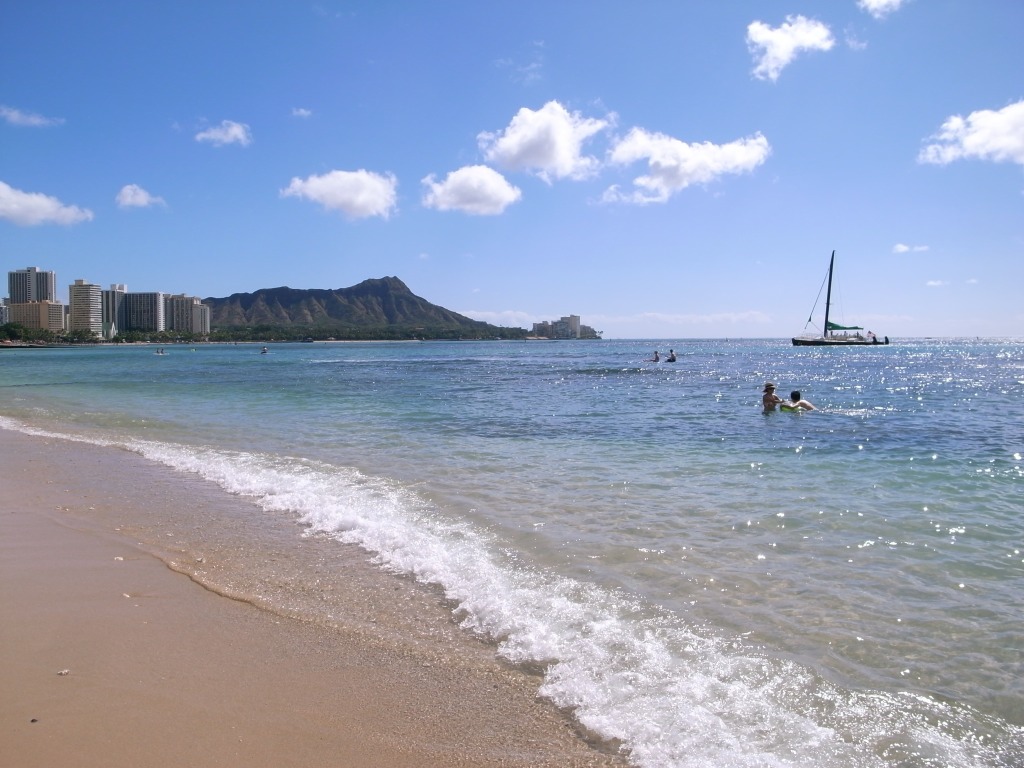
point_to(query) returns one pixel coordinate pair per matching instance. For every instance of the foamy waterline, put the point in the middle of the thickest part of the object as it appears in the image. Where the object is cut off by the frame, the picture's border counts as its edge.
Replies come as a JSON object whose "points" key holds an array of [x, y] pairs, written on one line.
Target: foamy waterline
{"points": [[672, 696]]}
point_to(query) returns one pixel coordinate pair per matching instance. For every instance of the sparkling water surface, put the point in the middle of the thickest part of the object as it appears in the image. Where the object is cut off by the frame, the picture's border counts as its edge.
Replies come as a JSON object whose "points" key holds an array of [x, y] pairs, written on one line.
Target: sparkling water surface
{"points": [[707, 583]]}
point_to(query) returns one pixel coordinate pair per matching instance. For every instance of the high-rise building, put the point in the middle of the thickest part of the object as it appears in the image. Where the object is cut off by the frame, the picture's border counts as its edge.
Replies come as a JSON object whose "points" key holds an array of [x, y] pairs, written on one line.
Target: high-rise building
{"points": [[85, 302], [31, 284], [187, 314], [201, 319], [113, 310], [38, 314], [568, 327], [144, 312]]}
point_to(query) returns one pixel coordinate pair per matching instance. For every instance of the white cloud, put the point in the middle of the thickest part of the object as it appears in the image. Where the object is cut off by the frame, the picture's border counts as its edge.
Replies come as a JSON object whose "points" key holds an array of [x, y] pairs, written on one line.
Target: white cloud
{"points": [[30, 119], [526, 71], [936, 283], [508, 318], [228, 132], [855, 44], [662, 324], [474, 189], [674, 165], [775, 48], [984, 135], [301, 112], [134, 196], [902, 248], [357, 194], [750, 317], [27, 209], [548, 142], [879, 8]]}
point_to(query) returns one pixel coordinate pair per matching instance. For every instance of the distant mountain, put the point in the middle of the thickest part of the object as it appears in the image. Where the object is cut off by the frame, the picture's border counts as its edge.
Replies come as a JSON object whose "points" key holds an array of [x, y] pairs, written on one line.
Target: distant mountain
{"points": [[382, 303]]}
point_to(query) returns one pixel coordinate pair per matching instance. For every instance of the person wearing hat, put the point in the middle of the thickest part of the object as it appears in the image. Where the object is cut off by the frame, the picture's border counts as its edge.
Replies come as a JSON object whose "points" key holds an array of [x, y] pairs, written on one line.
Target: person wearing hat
{"points": [[769, 400]]}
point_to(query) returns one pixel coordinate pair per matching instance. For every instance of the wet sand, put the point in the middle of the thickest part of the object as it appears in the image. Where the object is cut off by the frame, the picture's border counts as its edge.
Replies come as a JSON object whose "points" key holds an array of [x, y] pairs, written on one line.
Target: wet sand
{"points": [[109, 656]]}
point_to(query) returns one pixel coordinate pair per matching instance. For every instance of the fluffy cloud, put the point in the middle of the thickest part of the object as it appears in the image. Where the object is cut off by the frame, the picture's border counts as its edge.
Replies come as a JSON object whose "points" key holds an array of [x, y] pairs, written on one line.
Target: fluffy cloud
{"points": [[301, 112], [548, 142], [228, 132], [28, 209], [474, 189], [774, 48], [357, 194], [901, 248], [674, 165], [984, 135], [879, 8], [134, 196], [17, 117]]}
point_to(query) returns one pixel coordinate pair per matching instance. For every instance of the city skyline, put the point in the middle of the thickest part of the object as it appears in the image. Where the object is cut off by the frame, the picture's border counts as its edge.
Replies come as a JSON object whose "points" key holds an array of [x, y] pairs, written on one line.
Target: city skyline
{"points": [[105, 313], [673, 170], [65, 297]]}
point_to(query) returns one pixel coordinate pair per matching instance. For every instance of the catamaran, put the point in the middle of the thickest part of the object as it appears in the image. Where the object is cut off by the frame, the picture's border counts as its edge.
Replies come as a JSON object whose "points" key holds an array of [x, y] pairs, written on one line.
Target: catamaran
{"points": [[830, 337]]}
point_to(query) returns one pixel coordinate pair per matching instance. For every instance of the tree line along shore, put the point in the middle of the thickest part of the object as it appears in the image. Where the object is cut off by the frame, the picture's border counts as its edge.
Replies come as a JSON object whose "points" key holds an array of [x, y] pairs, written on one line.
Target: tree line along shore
{"points": [[19, 335]]}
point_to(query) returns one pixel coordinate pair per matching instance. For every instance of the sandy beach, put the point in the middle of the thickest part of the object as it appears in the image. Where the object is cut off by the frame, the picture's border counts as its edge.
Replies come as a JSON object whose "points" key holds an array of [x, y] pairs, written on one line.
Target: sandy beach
{"points": [[112, 656]]}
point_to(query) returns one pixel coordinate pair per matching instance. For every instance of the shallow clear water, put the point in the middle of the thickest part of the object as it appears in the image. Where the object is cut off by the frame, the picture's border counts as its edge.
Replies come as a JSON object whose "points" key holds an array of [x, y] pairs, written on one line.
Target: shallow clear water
{"points": [[705, 582]]}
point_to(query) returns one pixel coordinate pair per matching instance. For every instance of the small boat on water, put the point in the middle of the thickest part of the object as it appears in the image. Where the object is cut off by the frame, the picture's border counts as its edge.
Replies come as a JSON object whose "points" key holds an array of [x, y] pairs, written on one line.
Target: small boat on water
{"points": [[830, 337]]}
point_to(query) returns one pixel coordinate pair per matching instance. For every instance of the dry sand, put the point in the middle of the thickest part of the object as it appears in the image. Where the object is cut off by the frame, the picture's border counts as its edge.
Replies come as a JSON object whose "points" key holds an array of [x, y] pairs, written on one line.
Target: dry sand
{"points": [[108, 657]]}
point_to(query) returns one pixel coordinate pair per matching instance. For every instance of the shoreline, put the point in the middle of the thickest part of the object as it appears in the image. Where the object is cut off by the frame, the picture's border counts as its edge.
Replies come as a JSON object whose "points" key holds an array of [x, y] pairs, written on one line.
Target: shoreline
{"points": [[115, 654]]}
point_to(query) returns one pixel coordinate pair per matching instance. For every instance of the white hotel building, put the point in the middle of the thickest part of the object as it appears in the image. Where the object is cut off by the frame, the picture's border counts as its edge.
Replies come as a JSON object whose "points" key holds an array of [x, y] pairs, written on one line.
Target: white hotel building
{"points": [[85, 302]]}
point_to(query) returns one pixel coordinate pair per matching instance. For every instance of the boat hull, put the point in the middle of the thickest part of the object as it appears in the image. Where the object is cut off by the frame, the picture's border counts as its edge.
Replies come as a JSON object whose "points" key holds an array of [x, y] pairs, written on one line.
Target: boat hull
{"points": [[827, 342]]}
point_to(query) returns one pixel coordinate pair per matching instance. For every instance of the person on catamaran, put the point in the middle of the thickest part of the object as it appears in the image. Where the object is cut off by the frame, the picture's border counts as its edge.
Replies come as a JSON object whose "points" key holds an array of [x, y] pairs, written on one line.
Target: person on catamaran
{"points": [[671, 356], [655, 359], [797, 403]]}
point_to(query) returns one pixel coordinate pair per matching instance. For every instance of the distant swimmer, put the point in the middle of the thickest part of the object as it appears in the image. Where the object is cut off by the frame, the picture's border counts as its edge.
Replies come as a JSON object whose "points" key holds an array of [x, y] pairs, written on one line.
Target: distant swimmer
{"points": [[769, 400], [671, 356], [797, 403]]}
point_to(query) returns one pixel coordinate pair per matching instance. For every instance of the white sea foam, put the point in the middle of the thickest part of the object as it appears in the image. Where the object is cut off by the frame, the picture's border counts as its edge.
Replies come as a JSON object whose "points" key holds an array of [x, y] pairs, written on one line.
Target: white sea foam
{"points": [[671, 697]]}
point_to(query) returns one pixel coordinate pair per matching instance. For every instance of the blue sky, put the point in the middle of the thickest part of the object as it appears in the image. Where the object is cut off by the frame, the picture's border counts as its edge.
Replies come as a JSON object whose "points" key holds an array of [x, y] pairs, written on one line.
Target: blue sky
{"points": [[670, 169]]}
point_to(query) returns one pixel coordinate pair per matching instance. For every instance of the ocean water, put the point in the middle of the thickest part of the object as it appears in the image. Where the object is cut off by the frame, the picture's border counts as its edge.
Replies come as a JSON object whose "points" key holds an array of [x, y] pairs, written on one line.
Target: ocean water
{"points": [[698, 582]]}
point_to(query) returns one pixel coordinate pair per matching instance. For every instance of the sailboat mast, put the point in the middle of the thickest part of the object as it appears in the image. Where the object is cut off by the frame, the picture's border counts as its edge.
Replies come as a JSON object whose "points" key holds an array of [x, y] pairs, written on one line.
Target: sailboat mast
{"points": [[828, 294]]}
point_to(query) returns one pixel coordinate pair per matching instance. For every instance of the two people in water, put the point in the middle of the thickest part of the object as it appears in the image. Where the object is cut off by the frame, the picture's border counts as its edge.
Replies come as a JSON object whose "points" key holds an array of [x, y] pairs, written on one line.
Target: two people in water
{"points": [[657, 357], [795, 403]]}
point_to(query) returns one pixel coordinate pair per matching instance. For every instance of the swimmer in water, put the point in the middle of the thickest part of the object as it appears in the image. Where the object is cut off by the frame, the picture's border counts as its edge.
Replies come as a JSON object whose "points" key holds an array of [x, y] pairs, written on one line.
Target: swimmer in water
{"points": [[797, 403]]}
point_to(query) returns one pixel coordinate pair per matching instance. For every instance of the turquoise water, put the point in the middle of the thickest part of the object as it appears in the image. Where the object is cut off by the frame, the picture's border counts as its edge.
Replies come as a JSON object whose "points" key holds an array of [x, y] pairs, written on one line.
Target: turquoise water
{"points": [[706, 583]]}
